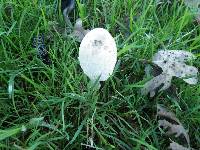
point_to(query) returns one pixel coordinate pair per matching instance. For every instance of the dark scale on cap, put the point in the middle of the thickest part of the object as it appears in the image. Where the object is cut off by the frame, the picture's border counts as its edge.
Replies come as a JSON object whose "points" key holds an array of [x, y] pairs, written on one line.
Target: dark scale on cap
{"points": [[174, 59], [173, 65], [191, 70], [185, 59], [98, 43]]}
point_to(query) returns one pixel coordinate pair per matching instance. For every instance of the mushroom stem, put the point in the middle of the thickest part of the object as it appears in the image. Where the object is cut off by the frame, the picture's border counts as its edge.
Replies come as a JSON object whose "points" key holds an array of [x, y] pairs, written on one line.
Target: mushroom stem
{"points": [[94, 84]]}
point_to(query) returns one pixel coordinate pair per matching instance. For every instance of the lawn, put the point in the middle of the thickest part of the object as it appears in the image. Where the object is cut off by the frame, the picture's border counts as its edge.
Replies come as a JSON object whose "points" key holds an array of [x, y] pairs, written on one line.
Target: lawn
{"points": [[53, 106]]}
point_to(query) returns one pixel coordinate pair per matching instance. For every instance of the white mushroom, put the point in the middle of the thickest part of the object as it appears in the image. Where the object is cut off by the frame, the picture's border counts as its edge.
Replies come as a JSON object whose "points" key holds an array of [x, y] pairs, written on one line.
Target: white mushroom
{"points": [[98, 54]]}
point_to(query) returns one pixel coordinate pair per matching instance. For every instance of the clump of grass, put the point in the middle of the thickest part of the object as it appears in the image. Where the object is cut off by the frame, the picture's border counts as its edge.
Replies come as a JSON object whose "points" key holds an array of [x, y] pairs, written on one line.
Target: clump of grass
{"points": [[58, 94]]}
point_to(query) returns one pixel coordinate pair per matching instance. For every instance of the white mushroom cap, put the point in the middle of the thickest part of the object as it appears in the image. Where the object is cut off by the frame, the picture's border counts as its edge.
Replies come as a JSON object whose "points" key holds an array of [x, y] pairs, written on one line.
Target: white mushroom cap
{"points": [[98, 54]]}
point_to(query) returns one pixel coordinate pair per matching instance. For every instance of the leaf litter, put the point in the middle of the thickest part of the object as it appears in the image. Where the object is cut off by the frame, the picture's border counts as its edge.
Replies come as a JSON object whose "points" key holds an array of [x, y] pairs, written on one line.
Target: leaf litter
{"points": [[172, 63], [169, 121], [79, 32], [194, 6]]}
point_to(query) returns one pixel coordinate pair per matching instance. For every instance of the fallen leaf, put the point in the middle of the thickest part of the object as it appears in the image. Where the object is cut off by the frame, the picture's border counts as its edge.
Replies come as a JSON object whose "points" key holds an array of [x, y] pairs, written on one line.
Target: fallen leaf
{"points": [[194, 6], [176, 146], [152, 85], [79, 32], [173, 127], [172, 63], [163, 112]]}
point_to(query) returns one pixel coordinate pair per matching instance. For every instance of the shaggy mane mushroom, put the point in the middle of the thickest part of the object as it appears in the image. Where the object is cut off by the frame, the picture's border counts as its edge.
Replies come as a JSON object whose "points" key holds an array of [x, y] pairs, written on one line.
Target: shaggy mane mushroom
{"points": [[98, 54]]}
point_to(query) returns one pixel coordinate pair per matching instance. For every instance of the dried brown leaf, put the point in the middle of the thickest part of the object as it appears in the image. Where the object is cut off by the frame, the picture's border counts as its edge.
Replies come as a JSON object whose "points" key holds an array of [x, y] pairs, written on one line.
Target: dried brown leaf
{"points": [[163, 112], [173, 64], [176, 146], [173, 55], [194, 6], [152, 85], [79, 32], [172, 129], [192, 3], [55, 27]]}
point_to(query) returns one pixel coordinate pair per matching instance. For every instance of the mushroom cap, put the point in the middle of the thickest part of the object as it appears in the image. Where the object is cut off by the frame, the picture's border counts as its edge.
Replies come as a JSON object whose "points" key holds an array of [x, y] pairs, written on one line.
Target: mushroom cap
{"points": [[98, 54]]}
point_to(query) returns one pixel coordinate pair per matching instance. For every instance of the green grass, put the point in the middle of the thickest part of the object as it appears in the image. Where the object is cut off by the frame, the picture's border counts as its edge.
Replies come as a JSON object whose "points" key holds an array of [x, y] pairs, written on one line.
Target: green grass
{"points": [[51, 107]]}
